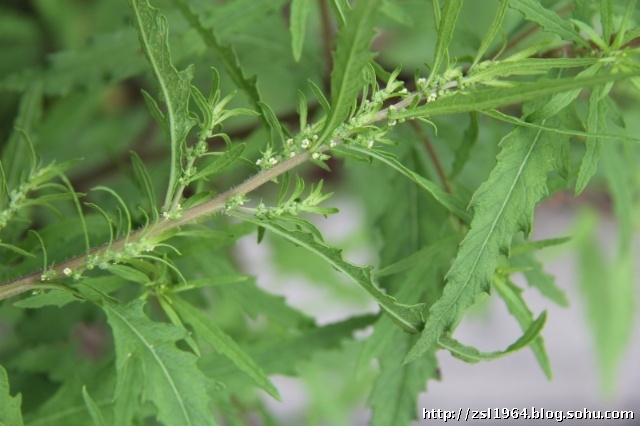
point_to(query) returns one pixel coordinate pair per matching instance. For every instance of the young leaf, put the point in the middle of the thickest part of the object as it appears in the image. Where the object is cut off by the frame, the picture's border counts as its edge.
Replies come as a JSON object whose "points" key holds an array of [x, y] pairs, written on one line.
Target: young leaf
{"points": [[502, 206], [537, 277], [174, 85], [548, 19], [350, 58], [299, 13], [10, 413], [225, 160], [15, 154], [207, 331], [512, 296], [472, 355], [170, 378], [94, 411], [145, 182], [227, 55], [491, 33], [407, 317], [447, 22]]}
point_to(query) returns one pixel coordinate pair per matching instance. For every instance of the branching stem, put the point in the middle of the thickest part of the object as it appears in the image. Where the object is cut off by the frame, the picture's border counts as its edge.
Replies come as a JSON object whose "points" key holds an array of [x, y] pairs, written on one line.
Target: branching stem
{"points": [[78, 264]]}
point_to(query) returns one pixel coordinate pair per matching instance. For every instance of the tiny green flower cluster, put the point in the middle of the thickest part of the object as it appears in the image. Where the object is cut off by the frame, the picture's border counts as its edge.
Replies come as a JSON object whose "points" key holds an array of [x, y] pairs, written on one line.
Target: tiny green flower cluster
{"points": [[294, 205]]}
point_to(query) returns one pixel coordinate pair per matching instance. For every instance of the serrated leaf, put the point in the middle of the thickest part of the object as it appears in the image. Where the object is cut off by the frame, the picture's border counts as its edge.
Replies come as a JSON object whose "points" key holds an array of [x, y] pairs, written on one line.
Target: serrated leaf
{"points": [[351, 56], [174, 85], [171, 379], [449, 201], [10, 414], [596, 123], [257, 302], [512, 296], [609, 293], [227, 55], [281, 356], [299, 14], [479, 100], [548, 19], [502, 206], [207, 331], [472, 355], [409, 317], [222, 162], [393, 396], [447, 23]]}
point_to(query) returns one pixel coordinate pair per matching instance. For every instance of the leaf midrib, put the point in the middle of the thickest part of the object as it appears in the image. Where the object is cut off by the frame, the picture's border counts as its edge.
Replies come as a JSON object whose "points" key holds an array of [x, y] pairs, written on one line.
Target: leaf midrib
{"points": [[493, 225], [160, 363]]}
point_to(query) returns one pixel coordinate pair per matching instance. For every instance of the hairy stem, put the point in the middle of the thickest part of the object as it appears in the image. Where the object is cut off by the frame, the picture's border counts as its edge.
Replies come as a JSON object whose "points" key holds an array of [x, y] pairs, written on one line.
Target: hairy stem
{"points": [[79, 263]]}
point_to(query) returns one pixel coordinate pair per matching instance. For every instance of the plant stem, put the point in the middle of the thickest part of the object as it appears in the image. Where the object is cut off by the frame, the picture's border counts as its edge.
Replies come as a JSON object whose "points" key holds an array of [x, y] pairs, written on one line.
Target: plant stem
{"points": [[433, 154], [79, 263]]}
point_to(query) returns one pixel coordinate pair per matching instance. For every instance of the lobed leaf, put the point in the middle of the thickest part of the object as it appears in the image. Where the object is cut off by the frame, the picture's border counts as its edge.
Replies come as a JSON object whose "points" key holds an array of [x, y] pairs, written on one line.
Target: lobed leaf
{"points": [[10, 413], [207, 331], [548, 19], [502, 206], [170, 378], [174, 85]]}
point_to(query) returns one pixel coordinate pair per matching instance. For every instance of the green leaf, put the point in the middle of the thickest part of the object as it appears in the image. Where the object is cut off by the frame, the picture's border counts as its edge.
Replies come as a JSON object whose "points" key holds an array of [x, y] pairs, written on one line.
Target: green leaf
{"points": [[227, 56], [596, 123], [395, 391], [407, 317], [145, 182], [472, 355], [324, 103], [94, 410], [16, 155], [512, 296], [463, 151], [174, 85], [502, 206], [128, 273], [299, 14], [171, 379], [609, 293], [207, 331], [281, 356], [351, 56], [449, 201], [527, 66], [447, 23], [479, 100], [222, 162], [496, 25], [548, 19], [10, 414]]}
